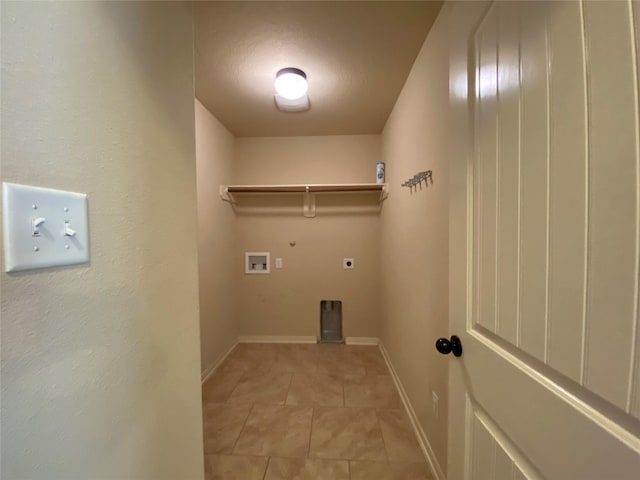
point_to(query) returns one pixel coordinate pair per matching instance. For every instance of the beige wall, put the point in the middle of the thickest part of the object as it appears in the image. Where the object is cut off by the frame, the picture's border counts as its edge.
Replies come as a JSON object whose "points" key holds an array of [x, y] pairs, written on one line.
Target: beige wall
{"points": [[415, 236], [216, 239], [101, 362], [287, 301]]}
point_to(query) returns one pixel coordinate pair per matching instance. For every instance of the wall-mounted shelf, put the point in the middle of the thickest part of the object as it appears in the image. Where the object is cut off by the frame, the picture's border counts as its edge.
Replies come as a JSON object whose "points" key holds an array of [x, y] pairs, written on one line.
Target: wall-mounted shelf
{"points": [[232, 193]]}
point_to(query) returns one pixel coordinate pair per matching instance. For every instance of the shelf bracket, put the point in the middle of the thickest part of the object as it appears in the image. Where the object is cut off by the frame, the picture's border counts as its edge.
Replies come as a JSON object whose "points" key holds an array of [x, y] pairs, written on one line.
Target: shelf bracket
{"points": [[309, 206], [225, 195], [384, 193]]}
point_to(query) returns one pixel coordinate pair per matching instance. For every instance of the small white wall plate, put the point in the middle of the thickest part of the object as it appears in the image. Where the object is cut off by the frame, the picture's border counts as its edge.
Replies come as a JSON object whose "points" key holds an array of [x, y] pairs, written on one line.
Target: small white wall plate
{"points": [[348, 263], [43, 227]]}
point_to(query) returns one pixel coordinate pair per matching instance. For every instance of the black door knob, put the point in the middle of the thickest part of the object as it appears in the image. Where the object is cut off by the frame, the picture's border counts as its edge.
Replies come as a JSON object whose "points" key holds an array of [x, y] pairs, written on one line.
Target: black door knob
{"points": [[445, 346]]}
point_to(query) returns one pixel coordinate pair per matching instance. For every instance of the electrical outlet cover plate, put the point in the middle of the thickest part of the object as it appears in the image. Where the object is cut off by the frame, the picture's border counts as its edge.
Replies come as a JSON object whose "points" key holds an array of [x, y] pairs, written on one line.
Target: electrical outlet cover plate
{"points": [[43, 227], [348, 263]]}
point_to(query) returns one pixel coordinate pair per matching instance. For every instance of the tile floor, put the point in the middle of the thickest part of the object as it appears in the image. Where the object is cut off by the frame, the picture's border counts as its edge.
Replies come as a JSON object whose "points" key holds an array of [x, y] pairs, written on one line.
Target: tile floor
{"points": [[307, 412]]}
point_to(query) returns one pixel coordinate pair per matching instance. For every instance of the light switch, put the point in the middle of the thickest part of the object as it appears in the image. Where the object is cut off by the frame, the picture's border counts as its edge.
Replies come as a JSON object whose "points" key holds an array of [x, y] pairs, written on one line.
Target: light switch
{"points": [[43, 227], [278, 263]]}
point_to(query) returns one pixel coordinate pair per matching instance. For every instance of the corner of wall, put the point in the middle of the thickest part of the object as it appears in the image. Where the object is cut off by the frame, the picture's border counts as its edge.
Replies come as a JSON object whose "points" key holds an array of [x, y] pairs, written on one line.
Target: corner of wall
{"points": [[217, 262], [414, 248]]}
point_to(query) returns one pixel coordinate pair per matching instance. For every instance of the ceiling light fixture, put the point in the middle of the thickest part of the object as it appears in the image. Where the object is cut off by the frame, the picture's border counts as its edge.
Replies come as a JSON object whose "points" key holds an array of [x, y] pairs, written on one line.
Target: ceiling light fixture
{"points": [[291, 83]]}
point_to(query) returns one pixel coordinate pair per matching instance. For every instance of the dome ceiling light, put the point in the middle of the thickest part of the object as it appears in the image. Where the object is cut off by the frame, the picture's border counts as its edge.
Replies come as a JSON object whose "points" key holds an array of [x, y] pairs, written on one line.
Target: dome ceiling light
{"points": [[291, 90]]}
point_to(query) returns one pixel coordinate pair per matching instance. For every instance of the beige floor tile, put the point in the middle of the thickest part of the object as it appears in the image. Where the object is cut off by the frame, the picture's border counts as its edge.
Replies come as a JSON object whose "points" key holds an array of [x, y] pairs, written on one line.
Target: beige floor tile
{"points": [[250, 358], [371, 359], [315, 389], [306, 469], [399, 437], [244, 413], [389, 471], [331, 347], [295, 360], [219, 386], [269, 388], [346, 433], [262, 350], [227, 467], [297, 347], [222, 426], [377, 391], [276, 430], [337, 361], [361, 350]]}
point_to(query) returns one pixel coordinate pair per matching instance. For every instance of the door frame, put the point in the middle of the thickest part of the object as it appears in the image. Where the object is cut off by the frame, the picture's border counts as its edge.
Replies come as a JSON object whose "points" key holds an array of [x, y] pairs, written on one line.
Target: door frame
{"points": [[462, 20]]}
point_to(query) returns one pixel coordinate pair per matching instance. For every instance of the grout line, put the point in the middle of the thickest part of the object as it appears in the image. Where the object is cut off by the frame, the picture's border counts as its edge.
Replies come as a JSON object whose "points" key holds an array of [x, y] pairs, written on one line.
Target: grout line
{"points": [[266, 468], [238, 382], [384, 444], [244, 424], [313, 411], [344, 397], [288, 388]]}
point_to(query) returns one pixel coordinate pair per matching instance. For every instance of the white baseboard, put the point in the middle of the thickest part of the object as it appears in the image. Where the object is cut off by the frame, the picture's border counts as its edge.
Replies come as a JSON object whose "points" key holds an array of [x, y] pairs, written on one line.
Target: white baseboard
{"points": [[425, 446], [209, 371], [362, 340], [278, 339]]}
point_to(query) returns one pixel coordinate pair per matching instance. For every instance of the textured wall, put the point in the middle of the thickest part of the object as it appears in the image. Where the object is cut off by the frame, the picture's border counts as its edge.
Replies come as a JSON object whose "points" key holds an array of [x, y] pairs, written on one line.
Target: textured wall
{"points": [[415, 235], [287, 301], [216, 233], [100, 362]]}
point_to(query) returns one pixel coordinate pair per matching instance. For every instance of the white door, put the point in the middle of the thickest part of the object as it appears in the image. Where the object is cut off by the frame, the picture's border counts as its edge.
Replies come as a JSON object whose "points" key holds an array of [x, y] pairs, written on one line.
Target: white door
{"points": [[545, 228]]}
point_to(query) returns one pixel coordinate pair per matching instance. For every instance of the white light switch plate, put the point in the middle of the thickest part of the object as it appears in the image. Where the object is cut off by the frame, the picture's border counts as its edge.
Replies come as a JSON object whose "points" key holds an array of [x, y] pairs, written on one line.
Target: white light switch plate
{"points": [[43, 227]]}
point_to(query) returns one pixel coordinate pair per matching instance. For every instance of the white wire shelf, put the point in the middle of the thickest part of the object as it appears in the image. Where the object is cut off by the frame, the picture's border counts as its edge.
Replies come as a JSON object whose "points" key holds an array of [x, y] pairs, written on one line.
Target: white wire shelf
{"points": [[228, 193]]}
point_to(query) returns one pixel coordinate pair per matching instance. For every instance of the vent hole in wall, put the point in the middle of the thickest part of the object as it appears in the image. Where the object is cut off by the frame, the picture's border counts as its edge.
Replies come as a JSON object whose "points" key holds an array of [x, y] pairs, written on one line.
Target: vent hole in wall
{"points": [[331, 321]]}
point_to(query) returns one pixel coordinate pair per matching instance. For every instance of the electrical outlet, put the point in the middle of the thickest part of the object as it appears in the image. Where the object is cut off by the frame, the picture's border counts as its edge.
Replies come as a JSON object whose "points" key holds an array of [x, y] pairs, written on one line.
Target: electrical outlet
{"points": [[278, 263], [434, 403], [348, 263]]}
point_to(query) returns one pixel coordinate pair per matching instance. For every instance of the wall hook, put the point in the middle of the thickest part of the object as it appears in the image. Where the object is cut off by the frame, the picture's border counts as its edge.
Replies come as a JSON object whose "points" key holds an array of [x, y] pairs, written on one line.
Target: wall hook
{"points": [[418, 178]]}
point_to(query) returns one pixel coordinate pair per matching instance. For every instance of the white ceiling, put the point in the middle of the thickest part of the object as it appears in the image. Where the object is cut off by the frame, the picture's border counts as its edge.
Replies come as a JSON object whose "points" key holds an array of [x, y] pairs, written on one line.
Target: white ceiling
{"points": [[356, 55]]}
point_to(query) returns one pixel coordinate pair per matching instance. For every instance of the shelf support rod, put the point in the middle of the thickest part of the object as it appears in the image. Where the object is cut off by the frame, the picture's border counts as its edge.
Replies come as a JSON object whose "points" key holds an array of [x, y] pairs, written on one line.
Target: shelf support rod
{"points": [[309, 207]]}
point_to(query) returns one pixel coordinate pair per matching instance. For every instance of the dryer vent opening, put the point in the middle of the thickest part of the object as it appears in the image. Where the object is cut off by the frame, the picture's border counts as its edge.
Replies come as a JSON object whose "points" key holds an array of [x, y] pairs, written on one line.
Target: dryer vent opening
{"points": [[331, 321]]}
